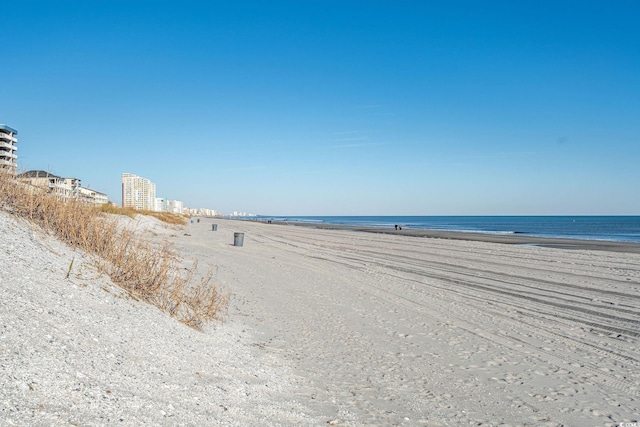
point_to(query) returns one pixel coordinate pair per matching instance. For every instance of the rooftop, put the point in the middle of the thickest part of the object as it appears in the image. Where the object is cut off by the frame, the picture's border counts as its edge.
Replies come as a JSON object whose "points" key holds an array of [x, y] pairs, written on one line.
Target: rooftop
{"points": [[37, 174], [9, 129]]}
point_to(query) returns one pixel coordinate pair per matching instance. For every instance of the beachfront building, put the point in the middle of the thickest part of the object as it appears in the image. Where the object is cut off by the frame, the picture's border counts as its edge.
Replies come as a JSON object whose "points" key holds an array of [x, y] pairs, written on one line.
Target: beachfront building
{"points": [[236, 213], [8, 141], [176, 206], [67, 188], [91, 196], [74, 184], [166, 205], [207, 212], [48, 182], [85, 194], [162, 204], [138, 193], [201, 212]]}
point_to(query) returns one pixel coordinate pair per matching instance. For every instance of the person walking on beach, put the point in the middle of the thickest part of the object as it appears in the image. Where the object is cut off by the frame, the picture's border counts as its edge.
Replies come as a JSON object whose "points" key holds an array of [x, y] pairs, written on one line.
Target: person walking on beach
{"points": [[396, 226]]}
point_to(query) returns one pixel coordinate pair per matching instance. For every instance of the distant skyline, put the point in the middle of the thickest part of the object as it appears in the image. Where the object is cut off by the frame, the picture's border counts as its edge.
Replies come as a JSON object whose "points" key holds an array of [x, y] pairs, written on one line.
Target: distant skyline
{"points": [[334, 107]]}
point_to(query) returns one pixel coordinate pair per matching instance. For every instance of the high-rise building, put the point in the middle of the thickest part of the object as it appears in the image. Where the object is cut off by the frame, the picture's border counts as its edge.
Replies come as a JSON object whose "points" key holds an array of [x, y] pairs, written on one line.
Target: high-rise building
{"points": [[176, 206], [162, 204], [138, 193], [8, 147]]}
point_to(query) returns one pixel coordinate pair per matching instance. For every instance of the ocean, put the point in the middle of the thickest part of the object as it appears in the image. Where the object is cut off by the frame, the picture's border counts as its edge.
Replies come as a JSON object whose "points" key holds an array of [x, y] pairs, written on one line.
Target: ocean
{"points": [[611, 228]]}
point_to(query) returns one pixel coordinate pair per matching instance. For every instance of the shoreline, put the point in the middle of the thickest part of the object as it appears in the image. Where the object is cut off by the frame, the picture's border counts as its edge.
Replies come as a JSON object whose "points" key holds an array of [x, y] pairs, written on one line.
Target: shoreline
{"points": [[429, 331], [509, 239]]}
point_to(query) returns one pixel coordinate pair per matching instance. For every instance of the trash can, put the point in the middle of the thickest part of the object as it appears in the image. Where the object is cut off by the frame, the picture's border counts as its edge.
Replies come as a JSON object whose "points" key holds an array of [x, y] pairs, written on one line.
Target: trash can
{"points": [[238, 239], [214, 227], [198, 220]]}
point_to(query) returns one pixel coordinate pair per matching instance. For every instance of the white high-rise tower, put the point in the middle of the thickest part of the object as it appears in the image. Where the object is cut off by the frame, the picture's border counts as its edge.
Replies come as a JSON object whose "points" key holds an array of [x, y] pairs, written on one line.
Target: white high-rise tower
{"points": [[138, 193]]}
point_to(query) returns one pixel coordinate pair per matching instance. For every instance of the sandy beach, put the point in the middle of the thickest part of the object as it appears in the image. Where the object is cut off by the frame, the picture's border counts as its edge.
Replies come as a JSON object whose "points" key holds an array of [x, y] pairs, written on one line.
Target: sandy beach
{"points": [[390, 330], [331, 327]]}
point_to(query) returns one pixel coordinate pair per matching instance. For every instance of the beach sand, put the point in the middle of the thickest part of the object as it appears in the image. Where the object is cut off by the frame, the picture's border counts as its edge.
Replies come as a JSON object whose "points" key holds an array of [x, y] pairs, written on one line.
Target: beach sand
{"points": [[330, 327], [385, 329]]}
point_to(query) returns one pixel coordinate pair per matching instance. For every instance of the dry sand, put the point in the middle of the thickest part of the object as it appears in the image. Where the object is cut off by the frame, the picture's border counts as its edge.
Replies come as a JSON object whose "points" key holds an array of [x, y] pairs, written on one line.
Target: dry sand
{"points": [[395, 330], [331, 326], [77, 352]]}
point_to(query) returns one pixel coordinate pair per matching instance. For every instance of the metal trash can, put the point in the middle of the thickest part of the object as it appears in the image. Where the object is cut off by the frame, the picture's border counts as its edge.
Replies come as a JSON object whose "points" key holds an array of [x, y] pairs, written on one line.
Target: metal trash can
{"points": [[214, 227], [238, 239], [198, 220]]}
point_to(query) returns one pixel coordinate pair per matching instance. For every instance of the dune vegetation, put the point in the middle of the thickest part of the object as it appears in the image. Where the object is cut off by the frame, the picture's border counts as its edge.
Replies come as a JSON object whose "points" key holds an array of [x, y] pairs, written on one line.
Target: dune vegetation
{"points": [[168, 217], [147, 272]]}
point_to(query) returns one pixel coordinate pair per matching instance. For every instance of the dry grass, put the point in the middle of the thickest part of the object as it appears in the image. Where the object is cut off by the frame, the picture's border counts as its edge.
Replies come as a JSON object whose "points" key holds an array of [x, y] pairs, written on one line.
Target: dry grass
{"points": [[168, 217], [115, 210], [146, 272]]}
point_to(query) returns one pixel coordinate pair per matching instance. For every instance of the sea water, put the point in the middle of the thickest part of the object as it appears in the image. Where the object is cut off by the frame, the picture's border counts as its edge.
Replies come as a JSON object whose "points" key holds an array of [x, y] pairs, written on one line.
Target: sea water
{"points": [[612, 228]]}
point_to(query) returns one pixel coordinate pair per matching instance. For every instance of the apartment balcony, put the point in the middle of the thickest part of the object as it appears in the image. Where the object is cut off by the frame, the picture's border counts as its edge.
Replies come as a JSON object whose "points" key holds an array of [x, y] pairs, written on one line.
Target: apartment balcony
{"points": [[4, 162], [7, 155], [7, 137], [7, 145]]}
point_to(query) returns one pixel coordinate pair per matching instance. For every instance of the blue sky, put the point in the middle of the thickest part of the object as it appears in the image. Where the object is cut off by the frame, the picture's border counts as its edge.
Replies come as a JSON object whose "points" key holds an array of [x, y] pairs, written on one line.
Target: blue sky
{"points": [[334, 107]]}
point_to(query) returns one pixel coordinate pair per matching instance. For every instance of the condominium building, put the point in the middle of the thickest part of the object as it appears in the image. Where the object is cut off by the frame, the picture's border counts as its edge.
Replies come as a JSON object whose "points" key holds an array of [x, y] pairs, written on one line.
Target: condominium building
{"points": [[201, 212], [138, 193], [8, 147], [162, 204], [66, 188], [91, 196], [74, 184], [176, 206], [48, 182]]}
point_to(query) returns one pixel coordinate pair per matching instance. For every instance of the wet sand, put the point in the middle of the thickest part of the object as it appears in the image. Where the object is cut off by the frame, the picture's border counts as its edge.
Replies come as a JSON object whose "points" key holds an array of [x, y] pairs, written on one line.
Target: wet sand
{"points": [[510, 239]]}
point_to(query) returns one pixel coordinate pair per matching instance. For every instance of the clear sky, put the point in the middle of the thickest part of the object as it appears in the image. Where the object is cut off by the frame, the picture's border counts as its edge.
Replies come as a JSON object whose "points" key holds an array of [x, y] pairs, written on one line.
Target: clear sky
{"points": [[333, 107]]}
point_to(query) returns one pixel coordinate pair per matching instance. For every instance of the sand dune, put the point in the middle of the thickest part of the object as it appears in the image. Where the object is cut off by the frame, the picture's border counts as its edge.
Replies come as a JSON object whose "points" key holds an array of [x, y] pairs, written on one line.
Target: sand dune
{"points": [[77, 352], [327, 326]]}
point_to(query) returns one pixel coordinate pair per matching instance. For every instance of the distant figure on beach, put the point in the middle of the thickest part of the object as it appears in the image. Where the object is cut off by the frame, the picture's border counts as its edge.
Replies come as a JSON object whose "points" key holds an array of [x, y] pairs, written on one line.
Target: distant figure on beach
{"points": [[400, 228], [396, 226]]}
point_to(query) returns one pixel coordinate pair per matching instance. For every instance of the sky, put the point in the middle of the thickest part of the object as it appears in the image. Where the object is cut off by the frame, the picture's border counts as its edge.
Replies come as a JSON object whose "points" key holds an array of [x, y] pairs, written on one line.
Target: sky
{"points": [[326, 107]]}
